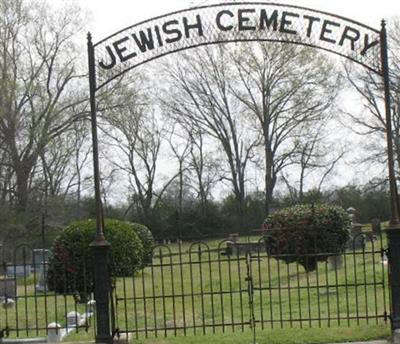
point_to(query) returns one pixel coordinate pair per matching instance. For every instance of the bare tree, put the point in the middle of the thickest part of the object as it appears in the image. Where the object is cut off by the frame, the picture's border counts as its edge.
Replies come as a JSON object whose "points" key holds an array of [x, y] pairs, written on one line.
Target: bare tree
{"points": [[199, 97], [315, 157], [204, 167], [181, 152], [62, 170], [39, 89], [81, 154], [282, 88], [189, 147], [6, 177], [136, 137], [371, 120]]}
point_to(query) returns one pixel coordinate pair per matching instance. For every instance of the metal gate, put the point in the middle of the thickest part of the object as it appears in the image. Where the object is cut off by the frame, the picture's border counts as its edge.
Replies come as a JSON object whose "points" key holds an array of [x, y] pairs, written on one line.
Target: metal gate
{"points": [[197, 288], [203, 288]]}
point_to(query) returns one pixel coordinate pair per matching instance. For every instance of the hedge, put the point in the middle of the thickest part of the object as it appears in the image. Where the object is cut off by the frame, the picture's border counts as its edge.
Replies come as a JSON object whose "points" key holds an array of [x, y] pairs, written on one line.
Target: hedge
{"points": [[71, 264], [307, 234]]}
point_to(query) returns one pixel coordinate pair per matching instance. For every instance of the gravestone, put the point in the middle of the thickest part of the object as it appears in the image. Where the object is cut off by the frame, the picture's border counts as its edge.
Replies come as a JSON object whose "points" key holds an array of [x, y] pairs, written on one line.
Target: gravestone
{"points": [[234, 237], [351, 211], [18, 270], [335, 262], [8, 288], [242, 248], [8, 303], [40, 256], [40, 266], [54, 333], [327, 292], [384, 260], [376, 227], [357, 240], [40, 286], [73, 319], [91, 306]]}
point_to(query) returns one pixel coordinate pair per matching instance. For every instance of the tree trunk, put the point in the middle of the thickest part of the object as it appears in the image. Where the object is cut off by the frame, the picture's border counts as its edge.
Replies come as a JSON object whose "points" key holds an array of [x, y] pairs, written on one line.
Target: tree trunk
{"points": [[241, 212], [269, 179], [22, 175]]}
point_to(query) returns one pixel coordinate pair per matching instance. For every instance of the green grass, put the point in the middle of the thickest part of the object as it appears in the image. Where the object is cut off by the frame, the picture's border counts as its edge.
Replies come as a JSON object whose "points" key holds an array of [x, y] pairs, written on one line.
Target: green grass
{"points": [[211, 292], [283, 336], [275, 336], [268, 336]]}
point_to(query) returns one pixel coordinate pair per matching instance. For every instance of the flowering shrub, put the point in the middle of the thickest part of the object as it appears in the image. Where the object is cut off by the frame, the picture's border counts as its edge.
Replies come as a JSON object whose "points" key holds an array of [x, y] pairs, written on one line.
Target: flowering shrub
{"points": [[71, 266], [306, 234], [148, 242]]}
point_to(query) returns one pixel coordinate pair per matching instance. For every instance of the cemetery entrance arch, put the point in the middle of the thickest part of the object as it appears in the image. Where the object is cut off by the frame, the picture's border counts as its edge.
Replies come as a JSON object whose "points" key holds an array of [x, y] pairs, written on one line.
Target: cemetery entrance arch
{"points": [[138, 44]]}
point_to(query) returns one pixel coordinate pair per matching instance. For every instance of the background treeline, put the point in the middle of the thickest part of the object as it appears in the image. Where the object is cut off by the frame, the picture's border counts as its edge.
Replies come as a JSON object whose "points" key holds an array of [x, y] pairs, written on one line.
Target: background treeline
{"points": [[219, 219]]}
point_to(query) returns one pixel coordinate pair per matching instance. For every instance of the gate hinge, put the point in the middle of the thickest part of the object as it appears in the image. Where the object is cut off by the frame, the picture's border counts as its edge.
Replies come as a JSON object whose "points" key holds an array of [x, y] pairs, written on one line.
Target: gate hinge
{"points": [[386, 316]]}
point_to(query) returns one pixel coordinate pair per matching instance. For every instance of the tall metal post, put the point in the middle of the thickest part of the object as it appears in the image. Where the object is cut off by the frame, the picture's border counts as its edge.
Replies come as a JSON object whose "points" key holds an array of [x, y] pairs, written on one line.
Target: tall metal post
{"points": [[394, 220], [393, 229], [99, 246]]}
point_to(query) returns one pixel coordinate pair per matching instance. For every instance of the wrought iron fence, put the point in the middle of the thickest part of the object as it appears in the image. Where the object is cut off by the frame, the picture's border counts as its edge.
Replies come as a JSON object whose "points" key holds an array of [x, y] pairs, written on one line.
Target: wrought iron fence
{"points": [[200, 288], [223, 286], [37, 295]]}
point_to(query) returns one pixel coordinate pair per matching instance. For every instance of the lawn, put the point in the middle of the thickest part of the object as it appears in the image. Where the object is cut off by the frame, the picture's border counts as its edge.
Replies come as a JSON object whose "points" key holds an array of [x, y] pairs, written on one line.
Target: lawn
{"points": [[283, 336]]}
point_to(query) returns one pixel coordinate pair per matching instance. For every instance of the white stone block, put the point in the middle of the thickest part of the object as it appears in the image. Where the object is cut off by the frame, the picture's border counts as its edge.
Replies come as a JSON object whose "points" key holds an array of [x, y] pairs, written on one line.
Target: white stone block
{"points": [[73, 319], [54, 333]]}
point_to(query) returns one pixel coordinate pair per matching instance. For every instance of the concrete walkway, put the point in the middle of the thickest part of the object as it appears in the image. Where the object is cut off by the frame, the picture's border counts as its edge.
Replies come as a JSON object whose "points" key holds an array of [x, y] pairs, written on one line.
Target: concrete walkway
{"points": [[370, 342]]}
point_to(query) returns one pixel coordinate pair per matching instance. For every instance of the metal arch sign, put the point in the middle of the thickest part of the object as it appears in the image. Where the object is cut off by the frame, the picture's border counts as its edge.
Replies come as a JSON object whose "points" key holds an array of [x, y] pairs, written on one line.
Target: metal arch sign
{"points": [[235, 22]]}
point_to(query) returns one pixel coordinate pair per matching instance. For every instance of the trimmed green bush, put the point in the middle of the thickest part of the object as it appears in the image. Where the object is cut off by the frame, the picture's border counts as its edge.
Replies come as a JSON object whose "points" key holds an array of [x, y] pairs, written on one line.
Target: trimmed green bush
{"points": [[148, 242], [307, 234], [71, 263]]}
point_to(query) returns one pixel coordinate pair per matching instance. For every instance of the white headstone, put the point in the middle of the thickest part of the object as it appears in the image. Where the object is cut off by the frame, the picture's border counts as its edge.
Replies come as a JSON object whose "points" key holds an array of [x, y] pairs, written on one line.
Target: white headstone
{"points": [[73, 319], [8, 303], [384, 259], [54, 333], [91, 306]]}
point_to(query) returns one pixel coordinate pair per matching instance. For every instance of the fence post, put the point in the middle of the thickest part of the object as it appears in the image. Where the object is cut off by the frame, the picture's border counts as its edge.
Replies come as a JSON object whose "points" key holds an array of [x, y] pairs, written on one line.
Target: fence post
{"points": [[99, 246], [393, 235], [102, 290]]}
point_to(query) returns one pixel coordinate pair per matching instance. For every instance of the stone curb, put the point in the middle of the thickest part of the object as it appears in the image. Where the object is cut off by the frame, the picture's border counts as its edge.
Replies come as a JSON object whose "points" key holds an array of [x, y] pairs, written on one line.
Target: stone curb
{"points": [[369, 342]]}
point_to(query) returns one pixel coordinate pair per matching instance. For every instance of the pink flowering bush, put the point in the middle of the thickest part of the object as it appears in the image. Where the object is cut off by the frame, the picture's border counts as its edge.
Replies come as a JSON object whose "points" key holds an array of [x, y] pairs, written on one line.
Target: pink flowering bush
{"points": [[307, 234]]}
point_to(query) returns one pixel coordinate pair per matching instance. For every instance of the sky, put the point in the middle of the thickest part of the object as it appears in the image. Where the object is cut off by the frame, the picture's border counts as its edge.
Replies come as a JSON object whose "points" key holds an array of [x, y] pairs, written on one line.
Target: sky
{"points": [[111, 16]]}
